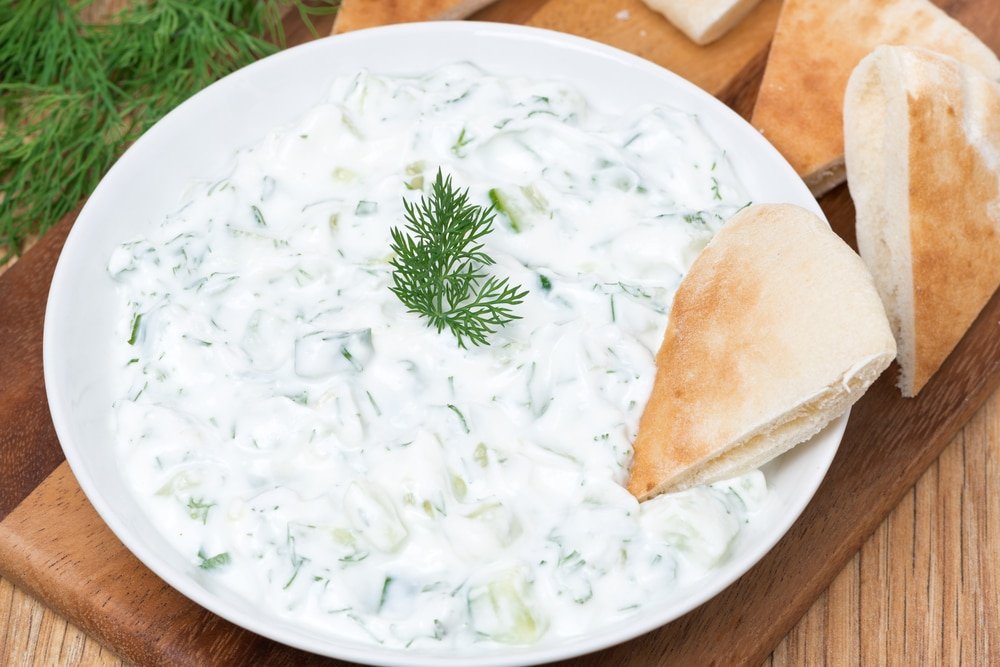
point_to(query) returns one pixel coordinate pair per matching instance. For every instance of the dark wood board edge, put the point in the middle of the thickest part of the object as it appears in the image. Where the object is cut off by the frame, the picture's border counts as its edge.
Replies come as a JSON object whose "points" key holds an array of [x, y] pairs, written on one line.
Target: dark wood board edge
{"points": [[29, 450], [741, 93]]}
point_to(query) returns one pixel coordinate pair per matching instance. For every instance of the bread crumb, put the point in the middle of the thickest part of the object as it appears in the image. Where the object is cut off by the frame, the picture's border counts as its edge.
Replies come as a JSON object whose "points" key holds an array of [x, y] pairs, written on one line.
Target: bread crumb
{"points": [[623, 15]]}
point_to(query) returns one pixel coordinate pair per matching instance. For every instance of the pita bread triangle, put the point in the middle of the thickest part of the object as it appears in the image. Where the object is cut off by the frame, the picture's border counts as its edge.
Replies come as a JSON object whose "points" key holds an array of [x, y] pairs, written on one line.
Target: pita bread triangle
{"points": [[358, 14], [922, 135], [776, 330], [816, 45]]}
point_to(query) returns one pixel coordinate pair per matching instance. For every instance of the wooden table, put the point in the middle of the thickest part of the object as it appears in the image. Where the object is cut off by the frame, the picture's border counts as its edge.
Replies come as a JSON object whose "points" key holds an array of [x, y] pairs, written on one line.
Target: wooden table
{"points": [[924, 589]]}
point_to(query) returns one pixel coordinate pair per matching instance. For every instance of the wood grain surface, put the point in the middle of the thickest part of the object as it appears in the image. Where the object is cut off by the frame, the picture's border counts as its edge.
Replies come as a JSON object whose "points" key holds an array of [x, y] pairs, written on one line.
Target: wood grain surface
{"points": [[632, 26], [358, 14], [54, 545]]}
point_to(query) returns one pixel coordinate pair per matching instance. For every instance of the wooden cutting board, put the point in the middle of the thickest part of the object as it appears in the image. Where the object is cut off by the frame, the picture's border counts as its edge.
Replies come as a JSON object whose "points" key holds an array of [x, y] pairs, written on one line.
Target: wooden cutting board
{"points": [[54, 544], [358, 14]]}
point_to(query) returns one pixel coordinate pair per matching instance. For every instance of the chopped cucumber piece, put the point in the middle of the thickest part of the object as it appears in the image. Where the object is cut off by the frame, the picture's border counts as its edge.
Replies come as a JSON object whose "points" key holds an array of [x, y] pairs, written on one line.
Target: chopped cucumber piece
{"points": [[458, 486], [366, 208], [179, 482], [481, 456], [499, 611], [517, 205], [373, 516], [502, 203]]}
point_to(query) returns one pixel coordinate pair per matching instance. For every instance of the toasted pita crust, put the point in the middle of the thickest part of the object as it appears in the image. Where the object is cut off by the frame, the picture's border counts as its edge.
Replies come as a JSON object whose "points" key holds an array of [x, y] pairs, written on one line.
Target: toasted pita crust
{"points": [[816, 45], [922, 138], [706, 20], [358, 14], [776, 330]]}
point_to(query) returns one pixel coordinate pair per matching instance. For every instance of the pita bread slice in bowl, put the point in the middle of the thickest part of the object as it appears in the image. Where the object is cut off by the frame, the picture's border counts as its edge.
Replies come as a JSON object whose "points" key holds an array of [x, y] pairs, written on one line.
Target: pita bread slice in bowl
{"points": [[776, 330]]}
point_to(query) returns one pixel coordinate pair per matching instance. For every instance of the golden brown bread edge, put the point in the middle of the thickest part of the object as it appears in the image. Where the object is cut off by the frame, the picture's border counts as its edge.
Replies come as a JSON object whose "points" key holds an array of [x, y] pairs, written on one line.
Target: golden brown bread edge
{"points": [[816, 45], [922, 139], [776, 330]]}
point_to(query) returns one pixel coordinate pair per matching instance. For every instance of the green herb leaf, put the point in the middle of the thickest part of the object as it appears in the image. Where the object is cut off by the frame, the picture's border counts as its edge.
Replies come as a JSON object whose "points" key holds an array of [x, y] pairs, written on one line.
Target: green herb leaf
{"points": [[218, 560], [461, 417], [258, 216], [136, 322], [198, 509], [438, 271], [385, 592]]}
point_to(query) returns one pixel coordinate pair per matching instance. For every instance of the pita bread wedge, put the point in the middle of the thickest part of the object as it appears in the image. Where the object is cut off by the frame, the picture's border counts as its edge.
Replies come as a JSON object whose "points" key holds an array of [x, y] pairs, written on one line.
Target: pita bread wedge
{"points": [[358, 14], [922, 138], [776, 330], [816, 45], [706, 20]]}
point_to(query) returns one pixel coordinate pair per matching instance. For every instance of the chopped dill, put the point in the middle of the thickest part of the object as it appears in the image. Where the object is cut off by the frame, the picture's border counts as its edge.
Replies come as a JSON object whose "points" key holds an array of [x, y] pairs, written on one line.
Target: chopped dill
{"points": [[258, 216], [438, 269], [385, 592], [198, 510], [211, 563], [460, 143], [136, 322], [461, 417]]}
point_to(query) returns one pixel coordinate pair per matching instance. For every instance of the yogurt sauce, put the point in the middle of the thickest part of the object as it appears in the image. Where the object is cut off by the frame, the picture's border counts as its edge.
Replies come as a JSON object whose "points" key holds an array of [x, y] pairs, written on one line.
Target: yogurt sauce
{"points": [[305, 441]]}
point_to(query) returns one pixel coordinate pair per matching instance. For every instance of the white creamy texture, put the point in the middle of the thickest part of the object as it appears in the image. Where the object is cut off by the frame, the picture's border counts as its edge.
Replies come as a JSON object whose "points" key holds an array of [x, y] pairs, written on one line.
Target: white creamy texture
{"points": [[310, 444]]}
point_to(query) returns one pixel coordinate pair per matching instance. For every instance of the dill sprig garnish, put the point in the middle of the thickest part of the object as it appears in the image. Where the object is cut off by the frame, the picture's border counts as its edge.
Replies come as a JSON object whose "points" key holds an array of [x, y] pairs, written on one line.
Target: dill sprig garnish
{"points": [[74, 95], [438, 271]]}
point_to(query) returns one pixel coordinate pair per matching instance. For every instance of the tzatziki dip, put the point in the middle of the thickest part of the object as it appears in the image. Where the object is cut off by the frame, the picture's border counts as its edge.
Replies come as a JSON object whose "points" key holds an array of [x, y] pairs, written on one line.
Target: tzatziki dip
{"points": [[308, 442]]}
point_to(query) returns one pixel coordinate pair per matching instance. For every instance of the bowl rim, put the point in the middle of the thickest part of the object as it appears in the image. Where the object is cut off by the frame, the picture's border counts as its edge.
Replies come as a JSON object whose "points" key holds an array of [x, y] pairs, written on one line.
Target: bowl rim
{"points": [[62, 413]]}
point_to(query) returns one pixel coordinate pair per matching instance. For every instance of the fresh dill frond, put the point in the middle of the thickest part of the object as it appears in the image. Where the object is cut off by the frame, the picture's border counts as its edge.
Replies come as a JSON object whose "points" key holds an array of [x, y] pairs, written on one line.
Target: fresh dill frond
{"points": [[439, 267], [75, 94]]}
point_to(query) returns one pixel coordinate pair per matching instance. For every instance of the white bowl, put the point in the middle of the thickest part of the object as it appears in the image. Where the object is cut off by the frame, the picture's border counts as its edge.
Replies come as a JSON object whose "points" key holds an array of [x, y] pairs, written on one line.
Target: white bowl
{"points": [[199, 138]]}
